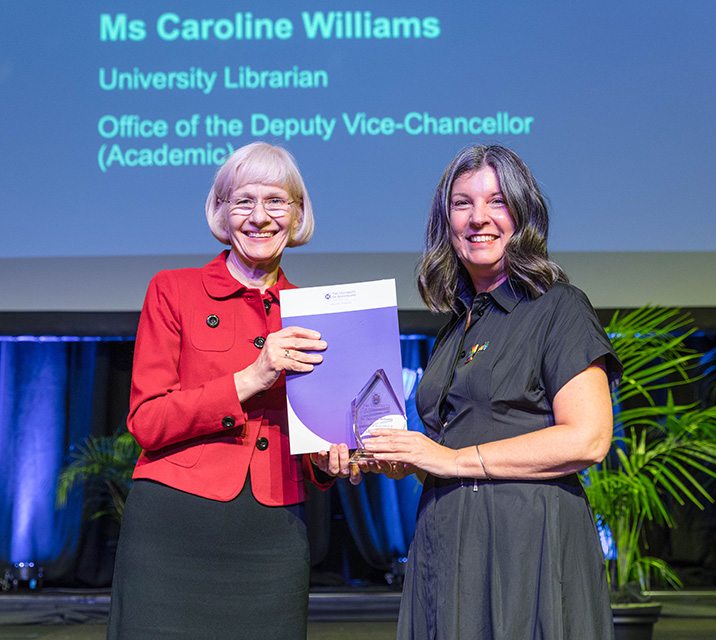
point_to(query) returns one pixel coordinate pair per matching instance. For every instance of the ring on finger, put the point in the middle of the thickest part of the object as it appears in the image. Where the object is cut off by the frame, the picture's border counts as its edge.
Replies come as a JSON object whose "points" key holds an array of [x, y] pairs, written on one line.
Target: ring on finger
{"points": [[286, 354]]}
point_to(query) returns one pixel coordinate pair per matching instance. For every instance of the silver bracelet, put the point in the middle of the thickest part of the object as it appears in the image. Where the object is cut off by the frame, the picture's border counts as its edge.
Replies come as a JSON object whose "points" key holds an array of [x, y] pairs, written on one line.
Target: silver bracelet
{"points": [[482, 462]]}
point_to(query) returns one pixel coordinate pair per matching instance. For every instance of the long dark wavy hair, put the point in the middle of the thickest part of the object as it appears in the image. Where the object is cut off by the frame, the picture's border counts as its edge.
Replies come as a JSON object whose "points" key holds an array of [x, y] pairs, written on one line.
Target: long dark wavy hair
{"points": [[526, 262]]}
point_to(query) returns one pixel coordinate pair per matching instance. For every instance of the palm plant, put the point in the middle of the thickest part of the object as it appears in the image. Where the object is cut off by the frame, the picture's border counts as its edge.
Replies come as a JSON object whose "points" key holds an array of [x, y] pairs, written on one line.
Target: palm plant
{"points": [[661, 452], [105, 464]]}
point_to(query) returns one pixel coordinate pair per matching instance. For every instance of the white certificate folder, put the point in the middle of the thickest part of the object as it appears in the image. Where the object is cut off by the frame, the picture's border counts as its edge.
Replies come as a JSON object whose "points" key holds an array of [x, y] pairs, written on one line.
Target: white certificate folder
{"points": [[360, 324]]}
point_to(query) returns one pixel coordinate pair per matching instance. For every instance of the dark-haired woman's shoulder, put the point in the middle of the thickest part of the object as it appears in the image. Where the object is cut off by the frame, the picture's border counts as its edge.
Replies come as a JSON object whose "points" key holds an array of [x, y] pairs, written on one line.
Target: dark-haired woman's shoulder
{"points": [[566, 303], [568, 296], [575, 329]]}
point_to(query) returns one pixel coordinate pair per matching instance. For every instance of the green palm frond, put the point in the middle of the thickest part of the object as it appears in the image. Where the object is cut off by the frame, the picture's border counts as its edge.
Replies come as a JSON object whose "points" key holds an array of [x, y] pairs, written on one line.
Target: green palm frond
{"points": [[650, 345], [662, 453], [105, 465], [645, 569]]}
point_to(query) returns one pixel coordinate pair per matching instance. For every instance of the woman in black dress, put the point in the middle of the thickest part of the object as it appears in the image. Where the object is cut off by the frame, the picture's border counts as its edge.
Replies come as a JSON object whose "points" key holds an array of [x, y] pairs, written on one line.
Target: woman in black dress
{"points": [[515, 401]]}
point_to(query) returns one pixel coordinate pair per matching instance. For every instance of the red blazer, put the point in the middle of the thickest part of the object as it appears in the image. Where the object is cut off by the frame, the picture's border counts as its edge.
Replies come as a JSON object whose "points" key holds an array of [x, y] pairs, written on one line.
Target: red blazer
{"points": [[198, 327]]}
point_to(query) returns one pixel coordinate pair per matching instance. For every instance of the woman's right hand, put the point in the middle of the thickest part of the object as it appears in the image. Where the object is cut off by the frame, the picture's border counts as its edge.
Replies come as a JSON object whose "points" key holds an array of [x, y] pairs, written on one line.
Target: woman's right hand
{"points": [[290, 349]]}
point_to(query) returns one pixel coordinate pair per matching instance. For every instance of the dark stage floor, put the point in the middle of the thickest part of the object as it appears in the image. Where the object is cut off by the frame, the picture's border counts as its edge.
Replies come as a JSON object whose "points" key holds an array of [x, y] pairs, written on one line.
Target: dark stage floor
{"points": [[366, 615]]}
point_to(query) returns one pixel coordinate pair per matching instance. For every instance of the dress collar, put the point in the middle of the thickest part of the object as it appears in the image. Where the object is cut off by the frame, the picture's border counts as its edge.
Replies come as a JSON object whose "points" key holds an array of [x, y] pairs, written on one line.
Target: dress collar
{"points": [[219, 283], [507, 296]]}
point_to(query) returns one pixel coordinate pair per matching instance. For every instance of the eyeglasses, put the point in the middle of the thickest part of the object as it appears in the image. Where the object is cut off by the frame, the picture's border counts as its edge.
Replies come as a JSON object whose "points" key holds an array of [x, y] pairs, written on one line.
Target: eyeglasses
{"points": [[275, 207]]}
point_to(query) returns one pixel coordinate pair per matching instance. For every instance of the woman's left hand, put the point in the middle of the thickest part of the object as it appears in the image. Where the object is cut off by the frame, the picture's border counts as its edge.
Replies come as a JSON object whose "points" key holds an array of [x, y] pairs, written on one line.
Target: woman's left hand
{"points": [[336, 462], [413, 449]]}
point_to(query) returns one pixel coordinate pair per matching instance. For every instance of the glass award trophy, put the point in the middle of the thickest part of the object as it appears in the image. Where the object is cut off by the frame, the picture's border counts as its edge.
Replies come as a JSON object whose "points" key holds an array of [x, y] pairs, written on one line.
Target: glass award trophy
{"points": [[375, 406]]}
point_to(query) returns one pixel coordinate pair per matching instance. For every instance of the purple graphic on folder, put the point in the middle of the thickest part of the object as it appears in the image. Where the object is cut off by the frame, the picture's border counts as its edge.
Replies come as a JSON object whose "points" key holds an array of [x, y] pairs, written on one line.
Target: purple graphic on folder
{"points": [[360, 341]]}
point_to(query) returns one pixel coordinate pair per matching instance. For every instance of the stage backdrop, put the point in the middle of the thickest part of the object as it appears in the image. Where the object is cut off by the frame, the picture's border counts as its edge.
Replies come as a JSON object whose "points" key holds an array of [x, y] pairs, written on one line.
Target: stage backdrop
{"points": [[56, 392], [115, 115]]}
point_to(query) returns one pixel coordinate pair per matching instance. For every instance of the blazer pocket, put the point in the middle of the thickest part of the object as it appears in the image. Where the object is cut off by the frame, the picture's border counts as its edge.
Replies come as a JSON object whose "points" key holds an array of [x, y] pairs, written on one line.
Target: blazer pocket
{"points": [[186, 455], [212, 329]]}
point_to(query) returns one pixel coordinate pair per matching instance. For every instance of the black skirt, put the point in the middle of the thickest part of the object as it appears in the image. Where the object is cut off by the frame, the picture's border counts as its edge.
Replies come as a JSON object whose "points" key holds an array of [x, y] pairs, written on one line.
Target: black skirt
{"points": [[189, 567]]}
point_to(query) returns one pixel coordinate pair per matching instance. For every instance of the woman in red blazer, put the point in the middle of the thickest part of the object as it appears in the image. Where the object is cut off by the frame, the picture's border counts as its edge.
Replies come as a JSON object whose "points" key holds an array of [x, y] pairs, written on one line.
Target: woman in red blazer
{"points": [[213, 543]]}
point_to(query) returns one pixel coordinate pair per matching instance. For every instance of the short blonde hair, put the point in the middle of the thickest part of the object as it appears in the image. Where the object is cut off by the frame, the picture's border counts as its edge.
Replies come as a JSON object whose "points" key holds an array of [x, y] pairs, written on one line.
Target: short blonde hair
{"points": [[259, 163]]}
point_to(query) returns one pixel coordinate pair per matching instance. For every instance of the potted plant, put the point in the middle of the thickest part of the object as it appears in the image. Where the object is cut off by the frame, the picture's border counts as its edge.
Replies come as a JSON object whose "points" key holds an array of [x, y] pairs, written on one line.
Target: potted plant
{"points": [[105, 464], [660, 453]]}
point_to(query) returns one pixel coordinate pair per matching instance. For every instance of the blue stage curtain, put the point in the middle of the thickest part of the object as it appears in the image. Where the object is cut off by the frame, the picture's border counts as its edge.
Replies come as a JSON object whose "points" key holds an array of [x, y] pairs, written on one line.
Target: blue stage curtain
{"points": [[45, 404], [56, 391], [380, 512]]}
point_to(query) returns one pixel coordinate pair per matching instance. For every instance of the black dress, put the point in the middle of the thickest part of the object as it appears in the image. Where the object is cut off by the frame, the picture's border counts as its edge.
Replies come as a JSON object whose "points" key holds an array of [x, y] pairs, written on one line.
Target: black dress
{"points": [[506, 560]]}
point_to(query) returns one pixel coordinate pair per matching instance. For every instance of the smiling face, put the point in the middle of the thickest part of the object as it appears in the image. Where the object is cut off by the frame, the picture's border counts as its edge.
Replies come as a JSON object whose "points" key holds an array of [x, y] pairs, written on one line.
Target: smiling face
{"points": [[258, 239], [480, 226]]}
